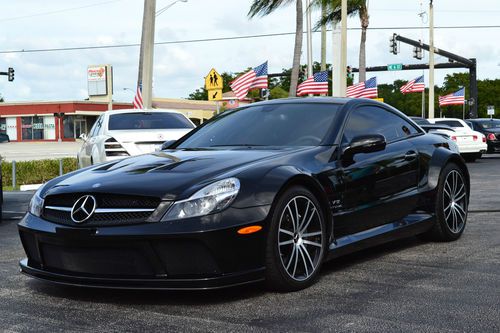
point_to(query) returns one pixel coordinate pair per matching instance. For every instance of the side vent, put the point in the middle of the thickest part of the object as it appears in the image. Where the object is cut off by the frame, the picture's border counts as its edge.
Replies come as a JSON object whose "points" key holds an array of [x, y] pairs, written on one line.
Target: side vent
{"points": [[113, 148]]}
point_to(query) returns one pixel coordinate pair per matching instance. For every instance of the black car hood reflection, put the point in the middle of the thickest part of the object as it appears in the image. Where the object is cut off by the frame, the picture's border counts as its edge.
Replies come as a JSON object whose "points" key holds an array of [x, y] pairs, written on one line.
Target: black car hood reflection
{"points": [[166, 174]]}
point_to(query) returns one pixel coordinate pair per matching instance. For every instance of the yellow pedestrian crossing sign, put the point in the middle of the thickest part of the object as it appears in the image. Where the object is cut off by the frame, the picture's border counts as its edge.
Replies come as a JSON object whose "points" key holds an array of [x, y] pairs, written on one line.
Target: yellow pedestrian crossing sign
{"points": [[213, 80], [215, 95]]}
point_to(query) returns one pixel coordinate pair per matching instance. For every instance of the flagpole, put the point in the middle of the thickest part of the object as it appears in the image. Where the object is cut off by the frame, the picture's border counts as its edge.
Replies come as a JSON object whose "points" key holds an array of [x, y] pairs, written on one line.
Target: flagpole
{"points": [[423, 103], [463, 111]]}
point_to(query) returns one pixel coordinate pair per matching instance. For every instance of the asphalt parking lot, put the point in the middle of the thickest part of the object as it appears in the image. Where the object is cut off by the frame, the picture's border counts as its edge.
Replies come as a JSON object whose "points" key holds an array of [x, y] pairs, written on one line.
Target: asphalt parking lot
{"points": [[408, 285]]}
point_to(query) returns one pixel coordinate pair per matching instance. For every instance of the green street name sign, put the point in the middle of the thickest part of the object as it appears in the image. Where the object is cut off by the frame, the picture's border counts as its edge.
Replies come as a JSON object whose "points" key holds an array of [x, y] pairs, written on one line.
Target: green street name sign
{"points": [[394, 67]]}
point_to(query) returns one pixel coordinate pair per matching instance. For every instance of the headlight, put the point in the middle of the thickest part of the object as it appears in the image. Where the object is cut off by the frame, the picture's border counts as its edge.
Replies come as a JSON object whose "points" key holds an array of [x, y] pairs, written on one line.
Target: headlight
{"points": [[36, 204], [210, 199]]}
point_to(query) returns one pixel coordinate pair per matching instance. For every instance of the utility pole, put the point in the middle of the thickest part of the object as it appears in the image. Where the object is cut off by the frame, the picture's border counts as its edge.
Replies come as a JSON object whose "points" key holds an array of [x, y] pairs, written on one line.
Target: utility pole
{"points": [[147, 51], [343, 58], [141, 55], [431, 60], [309, 40]]}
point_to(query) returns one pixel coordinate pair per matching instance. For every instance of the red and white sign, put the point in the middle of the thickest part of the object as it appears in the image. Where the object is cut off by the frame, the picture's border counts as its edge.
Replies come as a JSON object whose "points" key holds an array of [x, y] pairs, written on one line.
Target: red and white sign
{"points": [[96, 73]]}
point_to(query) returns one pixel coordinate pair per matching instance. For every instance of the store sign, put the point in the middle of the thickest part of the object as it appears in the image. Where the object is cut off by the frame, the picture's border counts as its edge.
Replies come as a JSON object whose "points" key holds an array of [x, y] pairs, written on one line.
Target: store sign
{"points": [[96, 73], [97, 81]]}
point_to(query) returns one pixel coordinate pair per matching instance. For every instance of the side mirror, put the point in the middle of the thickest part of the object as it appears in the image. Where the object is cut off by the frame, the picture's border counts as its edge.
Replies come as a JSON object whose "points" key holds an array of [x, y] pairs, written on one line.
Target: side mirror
{"points": [[83, 136], [167, 144], [364, 144]]}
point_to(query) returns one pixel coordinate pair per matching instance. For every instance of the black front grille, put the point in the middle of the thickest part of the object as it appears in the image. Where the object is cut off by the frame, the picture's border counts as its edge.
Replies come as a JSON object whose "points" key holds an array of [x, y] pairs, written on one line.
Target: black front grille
{"points": [[103, 201]]}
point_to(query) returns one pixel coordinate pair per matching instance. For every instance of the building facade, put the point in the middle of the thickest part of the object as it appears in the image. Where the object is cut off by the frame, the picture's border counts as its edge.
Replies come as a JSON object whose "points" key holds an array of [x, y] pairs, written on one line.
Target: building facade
{"points": [[66, 121]]}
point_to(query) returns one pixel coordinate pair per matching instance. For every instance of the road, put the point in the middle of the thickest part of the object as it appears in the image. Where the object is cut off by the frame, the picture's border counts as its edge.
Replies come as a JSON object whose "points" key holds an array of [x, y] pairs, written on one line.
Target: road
{"points": [[408, 285], [29, 151]]}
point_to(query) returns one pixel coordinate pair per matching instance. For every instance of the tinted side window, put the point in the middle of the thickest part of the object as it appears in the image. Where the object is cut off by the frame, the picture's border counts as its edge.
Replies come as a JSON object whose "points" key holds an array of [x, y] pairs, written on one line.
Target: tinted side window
{"points": [[374, 120]]}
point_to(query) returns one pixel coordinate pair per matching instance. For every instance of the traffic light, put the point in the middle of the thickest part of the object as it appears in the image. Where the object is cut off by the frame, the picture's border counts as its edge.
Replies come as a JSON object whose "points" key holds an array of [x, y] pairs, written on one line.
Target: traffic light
{"points": [[417, 52], [10, 74], [393, 46]]}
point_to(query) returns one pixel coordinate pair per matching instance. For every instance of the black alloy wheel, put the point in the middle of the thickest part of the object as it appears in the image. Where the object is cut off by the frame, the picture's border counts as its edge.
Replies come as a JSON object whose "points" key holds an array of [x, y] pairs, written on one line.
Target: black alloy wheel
{"points": [[451, 205], [296, 241]]}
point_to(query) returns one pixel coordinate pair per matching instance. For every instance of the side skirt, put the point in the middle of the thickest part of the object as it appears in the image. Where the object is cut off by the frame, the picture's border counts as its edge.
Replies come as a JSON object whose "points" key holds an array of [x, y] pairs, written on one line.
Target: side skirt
{"points": [[411, 225]]}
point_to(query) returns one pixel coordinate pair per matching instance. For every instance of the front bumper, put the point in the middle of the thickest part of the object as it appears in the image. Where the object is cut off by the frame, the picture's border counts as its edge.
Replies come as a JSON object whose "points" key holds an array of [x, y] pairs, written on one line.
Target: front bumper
{"points": [[149, 255]]}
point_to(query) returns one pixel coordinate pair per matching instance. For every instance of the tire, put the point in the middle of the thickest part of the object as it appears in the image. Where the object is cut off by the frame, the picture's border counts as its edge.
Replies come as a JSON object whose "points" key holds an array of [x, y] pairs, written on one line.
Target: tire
{"points": [[294, 255], [451, 213]]}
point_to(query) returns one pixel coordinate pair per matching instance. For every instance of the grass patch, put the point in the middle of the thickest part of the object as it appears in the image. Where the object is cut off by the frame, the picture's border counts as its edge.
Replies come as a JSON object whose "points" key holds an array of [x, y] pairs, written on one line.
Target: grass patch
{"points": [[35, 172]]}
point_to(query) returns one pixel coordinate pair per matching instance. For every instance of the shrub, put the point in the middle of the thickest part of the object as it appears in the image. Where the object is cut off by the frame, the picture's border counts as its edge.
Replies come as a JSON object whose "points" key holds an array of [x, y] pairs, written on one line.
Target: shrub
{"points": [[35, 172]]}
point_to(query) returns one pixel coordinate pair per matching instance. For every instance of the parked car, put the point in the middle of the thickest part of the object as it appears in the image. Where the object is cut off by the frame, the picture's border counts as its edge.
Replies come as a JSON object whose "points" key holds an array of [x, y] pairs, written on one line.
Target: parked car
{"points": [[122, 133], [471, 144], [4, 137], [268, 192], [443, 130], [491, 130]]}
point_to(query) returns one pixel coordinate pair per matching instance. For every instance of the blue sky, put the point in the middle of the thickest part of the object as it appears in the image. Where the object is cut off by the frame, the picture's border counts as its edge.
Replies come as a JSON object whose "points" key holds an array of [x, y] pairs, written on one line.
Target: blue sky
{"points": [[179, 68]]}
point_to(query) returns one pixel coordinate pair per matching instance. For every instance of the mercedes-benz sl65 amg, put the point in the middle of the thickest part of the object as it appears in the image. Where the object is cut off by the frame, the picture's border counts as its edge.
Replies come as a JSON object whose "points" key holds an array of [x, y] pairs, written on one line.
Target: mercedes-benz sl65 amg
{"points": [[268, 191]]}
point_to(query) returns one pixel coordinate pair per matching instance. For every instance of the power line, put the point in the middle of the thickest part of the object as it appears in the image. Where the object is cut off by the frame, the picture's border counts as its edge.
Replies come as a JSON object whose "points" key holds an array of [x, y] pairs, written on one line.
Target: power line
{"points": [[56, 11], [188, 41]]}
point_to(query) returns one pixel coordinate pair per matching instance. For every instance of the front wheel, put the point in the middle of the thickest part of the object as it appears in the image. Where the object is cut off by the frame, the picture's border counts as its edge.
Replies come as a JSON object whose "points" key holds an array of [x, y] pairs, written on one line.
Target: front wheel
{"points": [[451, 205], [296, 241]]}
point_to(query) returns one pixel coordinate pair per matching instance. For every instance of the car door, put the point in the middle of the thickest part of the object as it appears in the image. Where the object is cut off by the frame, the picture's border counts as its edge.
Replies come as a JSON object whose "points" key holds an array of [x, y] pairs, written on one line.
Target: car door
{"points": [[86, 150], [379, 187]]}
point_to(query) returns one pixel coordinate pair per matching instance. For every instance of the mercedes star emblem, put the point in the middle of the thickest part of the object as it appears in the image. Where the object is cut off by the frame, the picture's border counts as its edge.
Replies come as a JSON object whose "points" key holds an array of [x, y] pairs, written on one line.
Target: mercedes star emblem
{"points": [[83, 208]]}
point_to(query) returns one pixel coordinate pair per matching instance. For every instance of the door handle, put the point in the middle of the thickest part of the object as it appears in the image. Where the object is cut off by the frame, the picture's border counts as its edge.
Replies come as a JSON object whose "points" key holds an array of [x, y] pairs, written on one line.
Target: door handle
{"points": [[411, 155]]}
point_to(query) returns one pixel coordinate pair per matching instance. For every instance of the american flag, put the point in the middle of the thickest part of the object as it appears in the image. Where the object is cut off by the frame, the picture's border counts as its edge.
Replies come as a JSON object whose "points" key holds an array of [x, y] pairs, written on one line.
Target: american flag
{"points": [[138, 98], [367, 89], [315, 84], [415, 85], [253, 79], [456, 98]]}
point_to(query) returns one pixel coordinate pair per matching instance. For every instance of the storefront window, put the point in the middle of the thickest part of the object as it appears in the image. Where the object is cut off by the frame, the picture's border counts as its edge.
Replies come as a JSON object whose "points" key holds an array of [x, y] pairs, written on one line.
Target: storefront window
{"points": [[3, 125], [27, 128], [38, 128], [69, 127]]}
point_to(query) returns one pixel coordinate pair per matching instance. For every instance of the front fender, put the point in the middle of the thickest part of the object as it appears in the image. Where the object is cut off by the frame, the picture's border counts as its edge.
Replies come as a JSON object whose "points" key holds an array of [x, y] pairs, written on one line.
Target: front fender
{"points": [[439, 159]]}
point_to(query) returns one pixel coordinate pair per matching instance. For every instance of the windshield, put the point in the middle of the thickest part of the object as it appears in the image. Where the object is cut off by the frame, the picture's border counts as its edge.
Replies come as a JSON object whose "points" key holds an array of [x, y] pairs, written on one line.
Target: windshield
{"points": [[451, 123], [148, 120], [490, 124], [298, 124]]}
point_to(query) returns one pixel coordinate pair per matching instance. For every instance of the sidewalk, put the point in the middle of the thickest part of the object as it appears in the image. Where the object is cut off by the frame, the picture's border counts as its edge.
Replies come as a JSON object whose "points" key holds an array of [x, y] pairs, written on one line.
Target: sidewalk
{"points": [[28, 151]]}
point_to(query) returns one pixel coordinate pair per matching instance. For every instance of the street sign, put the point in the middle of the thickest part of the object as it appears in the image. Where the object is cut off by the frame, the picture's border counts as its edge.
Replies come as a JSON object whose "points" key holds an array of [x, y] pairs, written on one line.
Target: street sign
{"points": [[215, 95], [394, 67], [491, 110], [213, 80]]}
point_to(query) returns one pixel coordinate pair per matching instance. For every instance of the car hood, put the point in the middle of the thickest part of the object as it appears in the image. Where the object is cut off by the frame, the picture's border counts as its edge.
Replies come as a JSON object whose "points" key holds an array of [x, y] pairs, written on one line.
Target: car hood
{"points": [[167, 174]]}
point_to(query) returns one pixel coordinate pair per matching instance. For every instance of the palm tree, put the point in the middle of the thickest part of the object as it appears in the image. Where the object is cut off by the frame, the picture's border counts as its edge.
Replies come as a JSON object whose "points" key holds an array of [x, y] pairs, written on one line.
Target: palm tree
{"points": [[354, 7], [266, 7]]}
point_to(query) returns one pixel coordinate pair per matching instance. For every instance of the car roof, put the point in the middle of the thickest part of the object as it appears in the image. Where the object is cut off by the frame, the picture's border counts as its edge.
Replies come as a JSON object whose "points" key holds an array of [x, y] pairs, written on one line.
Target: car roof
{"points": [[122, 111]]}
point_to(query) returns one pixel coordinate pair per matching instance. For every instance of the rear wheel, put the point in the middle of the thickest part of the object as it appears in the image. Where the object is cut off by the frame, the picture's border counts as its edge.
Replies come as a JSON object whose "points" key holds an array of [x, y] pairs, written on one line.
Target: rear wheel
{"points": [[451, 205], [296, 241]]}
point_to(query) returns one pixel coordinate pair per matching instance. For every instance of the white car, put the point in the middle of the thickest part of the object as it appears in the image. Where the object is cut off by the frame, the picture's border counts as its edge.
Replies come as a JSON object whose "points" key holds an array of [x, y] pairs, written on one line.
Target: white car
{"points": [[121, 133], [471, 144]]}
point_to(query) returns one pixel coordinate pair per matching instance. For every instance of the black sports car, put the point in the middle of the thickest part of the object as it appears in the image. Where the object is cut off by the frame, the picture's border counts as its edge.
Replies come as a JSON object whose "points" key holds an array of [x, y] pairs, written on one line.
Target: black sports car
{"points": [[264, 192], [491, 130]]}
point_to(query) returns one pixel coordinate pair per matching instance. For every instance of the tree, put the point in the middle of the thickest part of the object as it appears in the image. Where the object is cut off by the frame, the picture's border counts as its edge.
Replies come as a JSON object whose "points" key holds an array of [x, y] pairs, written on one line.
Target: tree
{"points": [[354, 7], [266, 7]]}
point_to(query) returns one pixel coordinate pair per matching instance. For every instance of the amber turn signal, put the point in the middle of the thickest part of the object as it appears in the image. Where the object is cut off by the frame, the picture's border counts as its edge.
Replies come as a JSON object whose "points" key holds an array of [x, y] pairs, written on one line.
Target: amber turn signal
{"points": [[249, 230]]}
